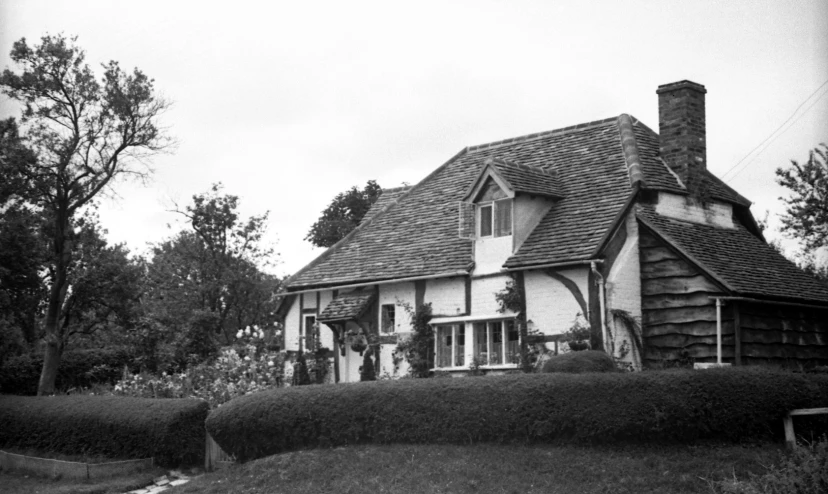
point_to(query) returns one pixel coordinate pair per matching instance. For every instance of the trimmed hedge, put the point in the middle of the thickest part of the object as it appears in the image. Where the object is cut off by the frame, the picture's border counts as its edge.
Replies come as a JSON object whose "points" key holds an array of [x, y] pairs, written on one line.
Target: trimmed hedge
{"points": [[577, 362], [171, 431], [733, 404], [78, 369]]}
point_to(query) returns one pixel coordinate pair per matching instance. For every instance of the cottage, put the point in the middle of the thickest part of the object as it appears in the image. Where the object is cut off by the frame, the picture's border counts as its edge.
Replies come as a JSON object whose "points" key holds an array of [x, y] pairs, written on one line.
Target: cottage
{"points": [[607, 222]]}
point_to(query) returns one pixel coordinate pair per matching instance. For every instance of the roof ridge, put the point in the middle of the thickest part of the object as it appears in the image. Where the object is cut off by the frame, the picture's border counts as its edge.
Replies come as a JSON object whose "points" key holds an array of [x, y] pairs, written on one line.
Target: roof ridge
{"points": [[540, 135], [630, 149], [401, 188], [525, 167]]}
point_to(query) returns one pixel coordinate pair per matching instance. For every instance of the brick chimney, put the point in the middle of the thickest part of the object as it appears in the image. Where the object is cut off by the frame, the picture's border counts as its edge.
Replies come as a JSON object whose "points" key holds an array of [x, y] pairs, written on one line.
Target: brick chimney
{"points": [[681, 127]]}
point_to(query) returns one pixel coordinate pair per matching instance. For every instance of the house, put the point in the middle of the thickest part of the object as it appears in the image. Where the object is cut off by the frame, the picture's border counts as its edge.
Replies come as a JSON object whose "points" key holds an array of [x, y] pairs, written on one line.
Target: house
{"points": [[606, 221]]}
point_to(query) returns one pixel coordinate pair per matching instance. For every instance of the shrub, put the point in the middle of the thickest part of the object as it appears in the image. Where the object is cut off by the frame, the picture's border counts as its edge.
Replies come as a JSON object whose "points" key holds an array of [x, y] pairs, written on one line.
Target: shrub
{"points": [[217, 381], [681, 406], [577, 362], [171, 431], [78, 369]]}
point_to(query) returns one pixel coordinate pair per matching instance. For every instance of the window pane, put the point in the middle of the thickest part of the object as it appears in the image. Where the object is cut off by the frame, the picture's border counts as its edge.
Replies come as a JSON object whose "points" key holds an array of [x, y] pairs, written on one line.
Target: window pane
{"points": [[496, 345], [503, 218], [443, 357], [388, 318], [486, 221], [480, 343], [309, 333], [460, 347], [513, 349]]}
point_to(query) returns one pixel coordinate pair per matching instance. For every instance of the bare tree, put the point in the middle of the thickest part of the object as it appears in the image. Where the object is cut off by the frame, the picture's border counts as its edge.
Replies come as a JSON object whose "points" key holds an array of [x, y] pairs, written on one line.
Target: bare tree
{"points": [[85, 135]]}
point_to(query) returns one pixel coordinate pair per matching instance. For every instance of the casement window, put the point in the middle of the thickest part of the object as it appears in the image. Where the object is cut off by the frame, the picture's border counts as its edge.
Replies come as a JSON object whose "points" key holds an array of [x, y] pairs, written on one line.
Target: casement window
{"points": [[489, 216], [495, 218], [387, 315], [307, 333], [450, 345], [496, 342]]}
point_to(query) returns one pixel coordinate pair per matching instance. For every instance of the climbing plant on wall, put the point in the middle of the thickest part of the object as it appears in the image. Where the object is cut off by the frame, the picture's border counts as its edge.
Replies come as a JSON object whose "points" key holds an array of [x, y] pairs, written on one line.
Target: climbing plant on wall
{"points": [[418, 350]]}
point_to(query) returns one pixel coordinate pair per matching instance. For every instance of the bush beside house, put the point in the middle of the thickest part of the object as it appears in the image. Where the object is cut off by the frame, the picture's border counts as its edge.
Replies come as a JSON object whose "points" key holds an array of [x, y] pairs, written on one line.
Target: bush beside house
{"points": [[78, 369], [171, 431], [681, 405], [577, 362]]}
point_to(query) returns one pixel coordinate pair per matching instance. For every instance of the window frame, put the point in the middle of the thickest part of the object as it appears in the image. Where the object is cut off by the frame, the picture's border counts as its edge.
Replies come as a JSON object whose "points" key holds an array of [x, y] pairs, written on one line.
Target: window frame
{"points": [[393, 318], [493, 207], [507, 353]]}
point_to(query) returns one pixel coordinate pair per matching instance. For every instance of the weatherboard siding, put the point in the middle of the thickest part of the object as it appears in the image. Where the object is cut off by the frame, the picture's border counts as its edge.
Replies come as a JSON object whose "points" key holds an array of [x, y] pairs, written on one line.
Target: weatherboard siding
{"points": [[678, 315], [783, 335]]}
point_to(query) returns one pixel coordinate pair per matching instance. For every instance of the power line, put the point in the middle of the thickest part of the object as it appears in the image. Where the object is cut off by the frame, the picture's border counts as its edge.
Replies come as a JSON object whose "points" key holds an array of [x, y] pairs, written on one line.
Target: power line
{"points": [[773, 135]]}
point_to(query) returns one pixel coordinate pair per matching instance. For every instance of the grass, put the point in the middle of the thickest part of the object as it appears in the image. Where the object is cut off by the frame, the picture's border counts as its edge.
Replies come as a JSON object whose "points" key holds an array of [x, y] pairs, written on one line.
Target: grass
{"points": [[19, 483], [491, 468]]}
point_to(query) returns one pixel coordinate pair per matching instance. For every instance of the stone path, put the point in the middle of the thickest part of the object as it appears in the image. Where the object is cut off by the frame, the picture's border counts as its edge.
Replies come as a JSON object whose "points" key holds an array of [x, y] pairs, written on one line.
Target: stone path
{"points": [[163, 483]]}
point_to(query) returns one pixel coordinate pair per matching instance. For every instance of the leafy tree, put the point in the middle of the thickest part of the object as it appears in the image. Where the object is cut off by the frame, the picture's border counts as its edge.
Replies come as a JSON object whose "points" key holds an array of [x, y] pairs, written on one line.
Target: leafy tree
{"points": [[214, 267], [806, 212], [343, 214], [85, 135]]}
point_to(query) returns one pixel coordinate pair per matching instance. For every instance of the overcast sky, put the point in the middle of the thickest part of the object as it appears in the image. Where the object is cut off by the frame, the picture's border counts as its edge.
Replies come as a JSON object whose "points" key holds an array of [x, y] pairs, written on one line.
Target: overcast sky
{"points": [[289, 103]]}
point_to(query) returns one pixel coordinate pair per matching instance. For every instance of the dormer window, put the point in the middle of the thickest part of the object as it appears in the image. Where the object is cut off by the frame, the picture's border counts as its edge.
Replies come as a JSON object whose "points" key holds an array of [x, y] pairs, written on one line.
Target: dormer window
{"points": [[495, 218]]}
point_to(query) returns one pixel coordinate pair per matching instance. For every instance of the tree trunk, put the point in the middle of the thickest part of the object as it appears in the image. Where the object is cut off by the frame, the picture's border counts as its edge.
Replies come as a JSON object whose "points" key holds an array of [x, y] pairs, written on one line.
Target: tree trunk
{"points": [[57, 295]]}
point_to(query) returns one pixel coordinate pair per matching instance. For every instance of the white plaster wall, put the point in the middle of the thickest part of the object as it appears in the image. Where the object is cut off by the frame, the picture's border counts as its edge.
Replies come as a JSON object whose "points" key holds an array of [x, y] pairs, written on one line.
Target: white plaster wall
{"points": [[717, 214], [491, 253], [310, 300], [292, 326], [528, 212], [446, 295], [393, 293], [326, 333], [483, 290], [387, 363], [623, 290], [550, 306]]}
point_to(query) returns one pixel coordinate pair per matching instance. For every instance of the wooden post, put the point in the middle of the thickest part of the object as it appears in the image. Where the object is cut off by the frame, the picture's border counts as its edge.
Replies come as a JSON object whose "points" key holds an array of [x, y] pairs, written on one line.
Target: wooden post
{"points": [[790, 438], [737, 334]]}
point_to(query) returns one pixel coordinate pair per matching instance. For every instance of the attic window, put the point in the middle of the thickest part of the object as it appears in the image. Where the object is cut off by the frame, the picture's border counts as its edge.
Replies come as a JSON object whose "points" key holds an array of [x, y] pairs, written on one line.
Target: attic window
{"points": [[495, 218]]}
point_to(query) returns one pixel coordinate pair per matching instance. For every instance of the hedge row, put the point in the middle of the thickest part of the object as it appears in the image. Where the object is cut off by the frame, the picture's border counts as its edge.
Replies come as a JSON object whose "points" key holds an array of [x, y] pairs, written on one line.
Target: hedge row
{"points": [[79, 368], [171, 431], [732, 404]]}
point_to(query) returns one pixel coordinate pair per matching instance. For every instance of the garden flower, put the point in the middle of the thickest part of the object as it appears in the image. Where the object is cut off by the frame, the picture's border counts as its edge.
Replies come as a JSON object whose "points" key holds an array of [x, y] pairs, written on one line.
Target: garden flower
{"points": [[247, 358], [270, 363], [239, 334], [247, 331]]}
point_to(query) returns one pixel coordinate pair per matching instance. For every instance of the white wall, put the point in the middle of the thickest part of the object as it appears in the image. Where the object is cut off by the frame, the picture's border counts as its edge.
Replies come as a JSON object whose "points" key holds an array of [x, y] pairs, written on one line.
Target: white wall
{"points": [[483, 294], [528, 211], [395, 293], [717, 214], [446, 295], [623, 289], [292, 326], [550, 306], [491, 253]]}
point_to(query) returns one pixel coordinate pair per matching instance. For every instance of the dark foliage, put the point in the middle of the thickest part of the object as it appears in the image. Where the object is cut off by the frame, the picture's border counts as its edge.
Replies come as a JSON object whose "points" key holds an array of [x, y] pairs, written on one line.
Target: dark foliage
{"points": [[343, 214], [806, 212], [418, 349], [78, 369], [672, 406], [578, 362], [171, 431]]}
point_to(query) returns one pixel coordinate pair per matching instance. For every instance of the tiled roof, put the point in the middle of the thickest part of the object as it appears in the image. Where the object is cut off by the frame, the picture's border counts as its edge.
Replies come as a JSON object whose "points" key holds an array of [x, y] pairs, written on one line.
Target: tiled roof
{"points": [[347, 307], [743, 262], [529, 179], [657, 175], [414, 232], [593, 171], [384, 200]]}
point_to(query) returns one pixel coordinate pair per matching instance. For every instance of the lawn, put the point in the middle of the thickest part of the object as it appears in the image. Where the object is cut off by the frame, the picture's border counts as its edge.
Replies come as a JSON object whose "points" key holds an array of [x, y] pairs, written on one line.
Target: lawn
{"points": [[491, 468]]}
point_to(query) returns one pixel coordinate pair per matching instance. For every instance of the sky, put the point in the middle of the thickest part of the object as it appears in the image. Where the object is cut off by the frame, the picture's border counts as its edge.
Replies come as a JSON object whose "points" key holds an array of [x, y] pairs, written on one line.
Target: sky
{"points": [[289, 103]]}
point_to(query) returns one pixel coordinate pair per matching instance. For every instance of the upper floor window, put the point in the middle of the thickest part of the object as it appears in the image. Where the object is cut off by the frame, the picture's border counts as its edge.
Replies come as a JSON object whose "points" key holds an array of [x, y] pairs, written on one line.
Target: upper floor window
{"points": [[495, 218], [489, 215], [388, 318]]}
